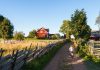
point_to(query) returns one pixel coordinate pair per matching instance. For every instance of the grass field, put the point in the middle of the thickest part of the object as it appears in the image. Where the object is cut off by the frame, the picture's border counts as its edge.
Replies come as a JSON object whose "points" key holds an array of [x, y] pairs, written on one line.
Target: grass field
{"points": [[19, 45]]}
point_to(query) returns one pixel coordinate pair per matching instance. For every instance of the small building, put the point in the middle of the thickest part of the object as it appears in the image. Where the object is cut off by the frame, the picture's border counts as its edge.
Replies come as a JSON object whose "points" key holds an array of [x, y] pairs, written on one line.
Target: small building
{"points": [[42, 33], [95, 35]]}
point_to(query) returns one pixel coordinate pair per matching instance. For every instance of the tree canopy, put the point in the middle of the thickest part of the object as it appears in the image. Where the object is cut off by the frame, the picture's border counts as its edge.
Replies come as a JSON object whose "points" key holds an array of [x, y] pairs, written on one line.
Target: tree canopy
{"points": [[6, 28], [77, 25], [66, 28], [1, 20]]}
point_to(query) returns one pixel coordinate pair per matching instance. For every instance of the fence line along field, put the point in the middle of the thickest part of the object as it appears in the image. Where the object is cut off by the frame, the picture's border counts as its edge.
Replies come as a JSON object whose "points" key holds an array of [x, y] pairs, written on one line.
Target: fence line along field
{"points": [[18, 58], [94, 48], [11, 45]]}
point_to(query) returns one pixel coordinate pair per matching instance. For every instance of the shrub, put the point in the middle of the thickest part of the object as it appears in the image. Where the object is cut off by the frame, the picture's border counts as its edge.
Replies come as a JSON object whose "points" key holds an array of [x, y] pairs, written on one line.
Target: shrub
{"points": [[19, 36], [55, 36]]}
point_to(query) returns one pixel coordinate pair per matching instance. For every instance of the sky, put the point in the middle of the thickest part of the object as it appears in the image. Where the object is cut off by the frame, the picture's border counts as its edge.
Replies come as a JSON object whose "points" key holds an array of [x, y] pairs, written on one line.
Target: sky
{"points": [[27, 15]]}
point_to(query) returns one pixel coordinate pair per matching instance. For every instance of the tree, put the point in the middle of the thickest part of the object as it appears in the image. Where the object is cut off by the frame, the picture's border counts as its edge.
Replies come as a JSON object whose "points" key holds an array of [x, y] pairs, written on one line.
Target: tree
{"points": [[6, 29], [19, 36], [32, 34], [79, 25], [66, 28], [1, 20], [98, 21]]}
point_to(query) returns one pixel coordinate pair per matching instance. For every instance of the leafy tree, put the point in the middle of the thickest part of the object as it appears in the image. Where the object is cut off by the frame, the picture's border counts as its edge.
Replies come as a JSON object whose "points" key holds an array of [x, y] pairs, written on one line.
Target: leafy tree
{"points": [[1, 20], [6, 28], [66, 28], [79, 24], [32, 34], [98, 21], [19, 36]]}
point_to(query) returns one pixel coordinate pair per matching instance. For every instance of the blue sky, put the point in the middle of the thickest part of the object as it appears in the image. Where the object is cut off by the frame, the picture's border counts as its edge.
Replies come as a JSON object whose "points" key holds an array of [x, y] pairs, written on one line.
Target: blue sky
{"points": [[27, 15]]}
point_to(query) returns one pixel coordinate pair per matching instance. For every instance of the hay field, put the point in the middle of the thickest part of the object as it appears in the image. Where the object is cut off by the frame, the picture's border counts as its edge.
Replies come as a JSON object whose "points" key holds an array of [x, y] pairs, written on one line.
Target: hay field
{"points": [[19, 45]]}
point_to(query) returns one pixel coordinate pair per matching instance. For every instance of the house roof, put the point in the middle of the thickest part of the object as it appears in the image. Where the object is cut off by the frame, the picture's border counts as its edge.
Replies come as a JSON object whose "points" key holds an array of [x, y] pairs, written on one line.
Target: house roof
{"points": [[43, 29]]}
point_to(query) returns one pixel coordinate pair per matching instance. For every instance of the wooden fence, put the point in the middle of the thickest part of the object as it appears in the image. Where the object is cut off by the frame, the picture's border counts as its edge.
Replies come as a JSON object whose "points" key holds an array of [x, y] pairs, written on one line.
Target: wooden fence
{"points": [[94, 48], [18, 58]]}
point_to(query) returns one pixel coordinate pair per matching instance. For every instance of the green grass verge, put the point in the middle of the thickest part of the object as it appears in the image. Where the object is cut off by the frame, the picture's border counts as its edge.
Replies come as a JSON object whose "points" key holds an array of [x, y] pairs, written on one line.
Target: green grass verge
{"points": [[39, 63], [92, 63]]}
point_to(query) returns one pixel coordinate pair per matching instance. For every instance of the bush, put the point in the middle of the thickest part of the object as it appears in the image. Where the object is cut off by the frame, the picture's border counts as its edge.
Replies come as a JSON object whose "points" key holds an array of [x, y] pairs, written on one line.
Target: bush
{"points": [[19, 36], [55, 36], [32, 34], [84, 53]]}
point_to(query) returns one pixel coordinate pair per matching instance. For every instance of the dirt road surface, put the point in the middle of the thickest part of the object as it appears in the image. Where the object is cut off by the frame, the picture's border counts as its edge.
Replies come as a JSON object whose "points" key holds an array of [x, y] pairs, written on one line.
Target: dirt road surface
{"points": [[63, 61]]}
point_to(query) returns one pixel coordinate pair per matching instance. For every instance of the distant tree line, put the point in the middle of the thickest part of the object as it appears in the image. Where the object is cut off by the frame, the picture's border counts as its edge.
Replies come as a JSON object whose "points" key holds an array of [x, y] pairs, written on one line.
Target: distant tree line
{"points": [[77, 26], [7, 31]]}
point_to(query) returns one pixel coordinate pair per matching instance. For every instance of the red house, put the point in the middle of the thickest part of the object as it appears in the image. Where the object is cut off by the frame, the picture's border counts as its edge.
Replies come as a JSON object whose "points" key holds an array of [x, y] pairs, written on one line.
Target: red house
{"points": [[42, 33]]}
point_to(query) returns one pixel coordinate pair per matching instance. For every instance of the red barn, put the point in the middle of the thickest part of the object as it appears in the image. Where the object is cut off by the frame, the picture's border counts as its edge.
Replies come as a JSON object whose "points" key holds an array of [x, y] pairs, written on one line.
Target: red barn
{"points": [[42, 33]]}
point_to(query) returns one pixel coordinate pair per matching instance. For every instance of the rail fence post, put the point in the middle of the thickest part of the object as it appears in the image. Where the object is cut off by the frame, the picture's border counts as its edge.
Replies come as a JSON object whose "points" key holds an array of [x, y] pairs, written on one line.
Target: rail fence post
{"points": [[26, 55], [1, 54], [14, 58]]}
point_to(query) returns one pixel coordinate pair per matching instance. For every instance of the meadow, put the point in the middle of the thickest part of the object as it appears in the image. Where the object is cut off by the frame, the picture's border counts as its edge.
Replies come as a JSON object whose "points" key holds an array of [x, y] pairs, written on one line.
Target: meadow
{"points": [[20, 45]]}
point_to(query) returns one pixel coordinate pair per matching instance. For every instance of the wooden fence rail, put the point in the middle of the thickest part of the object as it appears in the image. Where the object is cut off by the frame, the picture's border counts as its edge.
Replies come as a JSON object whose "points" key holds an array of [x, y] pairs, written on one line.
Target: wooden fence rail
{"points": [[94, 48], [18, 58]]}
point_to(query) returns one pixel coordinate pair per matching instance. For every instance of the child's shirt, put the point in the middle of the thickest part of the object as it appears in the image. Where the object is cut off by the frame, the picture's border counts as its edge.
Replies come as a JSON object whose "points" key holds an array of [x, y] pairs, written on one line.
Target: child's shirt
{"points": [[71, 48]]}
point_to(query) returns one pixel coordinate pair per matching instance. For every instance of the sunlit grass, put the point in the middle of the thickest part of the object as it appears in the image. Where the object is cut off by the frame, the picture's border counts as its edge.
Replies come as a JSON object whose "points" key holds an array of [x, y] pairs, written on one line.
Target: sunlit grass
{"points": [[19, 45], [40, 62]]}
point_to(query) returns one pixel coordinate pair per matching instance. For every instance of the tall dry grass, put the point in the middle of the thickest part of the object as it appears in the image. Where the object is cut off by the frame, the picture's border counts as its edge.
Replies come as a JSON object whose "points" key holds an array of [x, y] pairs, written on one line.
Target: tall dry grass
{"points": [[19, 45]]}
